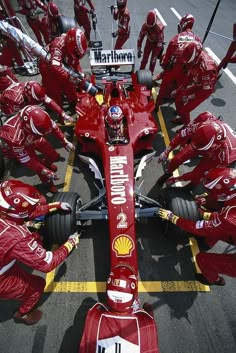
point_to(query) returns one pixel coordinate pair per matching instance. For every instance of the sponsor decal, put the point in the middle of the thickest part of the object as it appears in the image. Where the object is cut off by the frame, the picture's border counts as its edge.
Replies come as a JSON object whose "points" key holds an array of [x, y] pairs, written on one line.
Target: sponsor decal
{"points": [[123, 245], [118, 179], [111, 57]]}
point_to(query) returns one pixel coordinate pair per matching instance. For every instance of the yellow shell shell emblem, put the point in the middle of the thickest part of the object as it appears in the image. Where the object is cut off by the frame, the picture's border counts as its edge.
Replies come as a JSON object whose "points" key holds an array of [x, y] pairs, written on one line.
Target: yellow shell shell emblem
{"points": [[123, 245]]}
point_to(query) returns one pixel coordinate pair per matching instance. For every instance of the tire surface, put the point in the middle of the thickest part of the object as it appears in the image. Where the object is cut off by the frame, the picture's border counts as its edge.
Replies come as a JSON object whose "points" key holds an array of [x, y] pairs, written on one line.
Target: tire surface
{"points": [[144, 77], [65, 23], [181, 203], [60, 225]]}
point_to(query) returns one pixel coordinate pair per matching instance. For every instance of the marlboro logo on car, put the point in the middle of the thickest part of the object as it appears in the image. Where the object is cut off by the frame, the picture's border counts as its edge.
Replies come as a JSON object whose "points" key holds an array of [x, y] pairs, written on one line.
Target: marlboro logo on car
{"points": [[112, 57]]}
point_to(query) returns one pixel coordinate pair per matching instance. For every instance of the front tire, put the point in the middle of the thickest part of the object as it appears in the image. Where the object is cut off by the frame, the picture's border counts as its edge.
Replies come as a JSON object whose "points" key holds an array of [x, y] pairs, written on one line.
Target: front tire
{"points": [[180, 202], [60, 225]]}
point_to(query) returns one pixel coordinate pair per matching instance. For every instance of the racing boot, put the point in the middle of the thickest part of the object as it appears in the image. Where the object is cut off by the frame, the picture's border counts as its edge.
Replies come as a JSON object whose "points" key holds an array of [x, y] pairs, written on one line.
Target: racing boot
{"points": [[177, 121], [51, 166], [200, 278], [29, 319]]}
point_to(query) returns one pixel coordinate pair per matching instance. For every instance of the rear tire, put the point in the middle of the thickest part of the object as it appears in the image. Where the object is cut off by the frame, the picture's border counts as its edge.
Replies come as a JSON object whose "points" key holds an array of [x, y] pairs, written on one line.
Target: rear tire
{"points": [[144, 77], [181, 203], [65, 23], [60, 225]]}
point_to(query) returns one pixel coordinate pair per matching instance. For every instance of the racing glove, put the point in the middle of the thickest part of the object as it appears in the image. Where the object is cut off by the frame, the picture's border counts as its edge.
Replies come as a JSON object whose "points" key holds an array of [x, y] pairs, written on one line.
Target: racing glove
{"points": [[114, 34], [66, 118], [164, 155], [69, 145], [201, 199], [139, 53], [167, 215], [204, 215], [172, 180], [72, 242], [64, 206], [50, 175]]}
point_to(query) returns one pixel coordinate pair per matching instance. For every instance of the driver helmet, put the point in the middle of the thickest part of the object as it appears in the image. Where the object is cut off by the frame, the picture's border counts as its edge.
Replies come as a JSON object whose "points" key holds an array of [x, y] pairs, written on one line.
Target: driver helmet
{"points": [[52, 9], [18, 200], [36, 121], [221, 183], [34, 90], [185, 23], [114, 120], [191, 53], [122, 286], [121, 4], [151, 18], [208, 136], [202, 118], [76, 43]]}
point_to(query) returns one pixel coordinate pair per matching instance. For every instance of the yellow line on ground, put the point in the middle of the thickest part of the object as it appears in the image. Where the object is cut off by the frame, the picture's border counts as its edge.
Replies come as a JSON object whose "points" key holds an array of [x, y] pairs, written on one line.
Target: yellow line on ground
{"points": [[143, 287]]}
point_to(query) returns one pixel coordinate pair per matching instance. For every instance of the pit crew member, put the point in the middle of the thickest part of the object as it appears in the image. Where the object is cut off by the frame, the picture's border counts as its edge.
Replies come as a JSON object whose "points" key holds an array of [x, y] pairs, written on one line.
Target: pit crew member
{"points": [[219, 225], [213, 140], [174, 71], [121, 14], [17, 202], [122, 317], [153, 30], [66, 50], [230, 56], [19, 94], [7, 77], [50, 22], [82, 15], [28, 8], [24, 134], [198, 84]]}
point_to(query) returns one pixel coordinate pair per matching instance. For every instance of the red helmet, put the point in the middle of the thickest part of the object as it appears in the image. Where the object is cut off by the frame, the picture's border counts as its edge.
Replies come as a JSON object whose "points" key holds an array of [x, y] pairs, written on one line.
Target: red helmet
{"points": [[34, 90], [151, 18], [204, 117], [52, 9], [36, 120], [186, 22], [122, 286], [76, 43], [191, 53], [221, 182], [18, 200], [208, 136], [121, 4]]}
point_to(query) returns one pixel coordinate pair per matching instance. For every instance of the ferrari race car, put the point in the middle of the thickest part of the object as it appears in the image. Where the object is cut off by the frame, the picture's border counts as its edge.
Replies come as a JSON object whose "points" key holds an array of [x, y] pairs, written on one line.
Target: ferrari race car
{"points": [[115, 132]]}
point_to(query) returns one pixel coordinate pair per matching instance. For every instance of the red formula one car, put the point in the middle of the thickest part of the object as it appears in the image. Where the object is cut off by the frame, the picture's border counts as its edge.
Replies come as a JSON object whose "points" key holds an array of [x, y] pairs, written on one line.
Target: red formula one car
{"points": [[115, 129]]}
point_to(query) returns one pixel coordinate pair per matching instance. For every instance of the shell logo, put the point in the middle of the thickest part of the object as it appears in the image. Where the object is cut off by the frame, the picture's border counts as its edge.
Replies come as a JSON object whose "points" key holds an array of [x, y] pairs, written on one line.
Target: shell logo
{"points": [[123, 245]]}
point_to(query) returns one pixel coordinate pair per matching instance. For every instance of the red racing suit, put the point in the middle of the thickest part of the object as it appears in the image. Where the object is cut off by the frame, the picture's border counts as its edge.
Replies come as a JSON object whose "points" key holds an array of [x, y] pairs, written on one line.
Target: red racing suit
{"points": [[10, 54], [154, 44], [51, 28], [123, 32], [7, 77], [230, 56], [220, 226], [17, 243], [198, 85], [104, 329], [28, 8], [14, 99], [19, 144], [223, 156], [55, 79], [174, 72], [82, 15]]}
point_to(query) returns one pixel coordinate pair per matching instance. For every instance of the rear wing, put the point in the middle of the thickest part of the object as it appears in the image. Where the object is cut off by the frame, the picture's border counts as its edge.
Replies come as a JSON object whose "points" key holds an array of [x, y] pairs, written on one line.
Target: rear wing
{"points": [[112, 58]]}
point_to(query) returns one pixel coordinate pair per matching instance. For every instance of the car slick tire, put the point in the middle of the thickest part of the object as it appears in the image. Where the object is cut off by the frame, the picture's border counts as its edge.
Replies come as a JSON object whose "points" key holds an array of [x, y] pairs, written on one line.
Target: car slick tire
{"points": [[60, 225], [144, 77], [181, 203], [65, 23]]}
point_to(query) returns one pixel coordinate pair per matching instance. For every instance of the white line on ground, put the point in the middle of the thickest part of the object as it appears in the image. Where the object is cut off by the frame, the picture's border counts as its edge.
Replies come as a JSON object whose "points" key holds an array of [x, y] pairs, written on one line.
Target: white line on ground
{"points": [[217, 60], [176, 13], [161, 18]]}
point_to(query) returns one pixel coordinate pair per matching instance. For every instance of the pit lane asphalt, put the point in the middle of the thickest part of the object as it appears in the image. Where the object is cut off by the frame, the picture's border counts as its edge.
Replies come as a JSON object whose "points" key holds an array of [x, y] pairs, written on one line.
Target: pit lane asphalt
{"points": [[188, 320]]}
